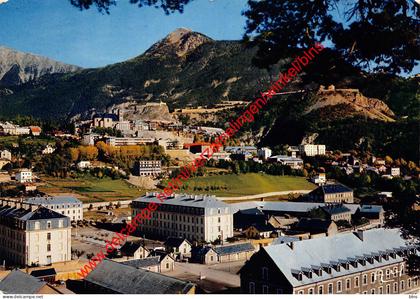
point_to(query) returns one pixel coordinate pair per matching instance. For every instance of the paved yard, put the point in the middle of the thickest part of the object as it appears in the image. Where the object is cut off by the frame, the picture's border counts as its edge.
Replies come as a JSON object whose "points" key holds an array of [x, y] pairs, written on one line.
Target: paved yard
{"points": [[205, 272]]}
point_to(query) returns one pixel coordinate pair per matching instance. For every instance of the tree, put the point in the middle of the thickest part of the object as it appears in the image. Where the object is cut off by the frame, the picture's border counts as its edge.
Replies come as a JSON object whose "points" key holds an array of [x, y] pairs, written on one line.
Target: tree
{"points": [[168, 6], [377, 34]]}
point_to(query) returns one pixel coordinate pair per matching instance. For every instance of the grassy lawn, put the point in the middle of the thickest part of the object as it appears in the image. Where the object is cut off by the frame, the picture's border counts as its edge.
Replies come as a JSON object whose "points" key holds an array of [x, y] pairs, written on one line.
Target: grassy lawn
{"points": [[245, 184], [92, 189]]}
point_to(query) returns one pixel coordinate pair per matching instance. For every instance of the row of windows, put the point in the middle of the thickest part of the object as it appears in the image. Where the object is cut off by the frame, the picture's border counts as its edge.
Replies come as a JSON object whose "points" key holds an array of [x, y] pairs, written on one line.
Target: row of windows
{"points": [[389, 288], [404, 284]]}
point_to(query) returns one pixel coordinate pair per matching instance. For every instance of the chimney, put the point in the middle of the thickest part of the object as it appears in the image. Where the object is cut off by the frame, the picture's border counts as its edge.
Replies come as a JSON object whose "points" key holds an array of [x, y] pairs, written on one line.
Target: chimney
{"points": [[359, 234]]}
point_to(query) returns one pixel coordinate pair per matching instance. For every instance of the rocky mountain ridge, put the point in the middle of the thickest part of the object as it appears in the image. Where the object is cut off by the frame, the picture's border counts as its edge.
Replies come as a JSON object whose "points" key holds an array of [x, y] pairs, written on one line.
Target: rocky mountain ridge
{"points": [[18, 67]]}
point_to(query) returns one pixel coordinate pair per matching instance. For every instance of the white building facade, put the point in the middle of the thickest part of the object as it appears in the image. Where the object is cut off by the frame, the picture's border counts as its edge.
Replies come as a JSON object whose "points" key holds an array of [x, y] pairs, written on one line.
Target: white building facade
{"points": [[150, 167], [264, 153], [311, 150], [194, 217], [5, 154], [24, 176], [33, 235]]}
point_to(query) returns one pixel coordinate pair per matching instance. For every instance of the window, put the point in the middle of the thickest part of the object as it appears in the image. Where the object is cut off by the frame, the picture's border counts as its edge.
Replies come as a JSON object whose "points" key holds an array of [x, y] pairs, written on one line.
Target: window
{"points": [[252, 288], [409, 283], [402, 269], [380, 275], [402, 285], [48, 236], [372, 277], [395, 287], [364, 279], [265, 289], [388, 273], [300, 292], [330, 288], [372, 291], [356, 282], [338, 286], [265, 273], [348, 284], [48, 247], [49, 224], [320, 290], [167, 265], [380, 290], [395, 271], [311, 291], [388, 289]]}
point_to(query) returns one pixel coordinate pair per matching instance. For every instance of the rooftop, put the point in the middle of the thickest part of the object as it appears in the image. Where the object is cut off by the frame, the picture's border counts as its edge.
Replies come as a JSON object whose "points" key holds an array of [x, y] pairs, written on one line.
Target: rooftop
{"points": [[175, 242], [53, 200], [27, 214], [235, 248], [334, 209], [18, 282], [198, 201], [44, 272], [335, 188], [143, 263], [313, 253], [130, 247], [124, 279]]}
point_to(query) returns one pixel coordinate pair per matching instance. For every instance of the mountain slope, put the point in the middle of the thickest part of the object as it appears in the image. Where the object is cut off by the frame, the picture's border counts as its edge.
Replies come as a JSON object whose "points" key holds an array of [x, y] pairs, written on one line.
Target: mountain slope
{"points": [[19, 67]]}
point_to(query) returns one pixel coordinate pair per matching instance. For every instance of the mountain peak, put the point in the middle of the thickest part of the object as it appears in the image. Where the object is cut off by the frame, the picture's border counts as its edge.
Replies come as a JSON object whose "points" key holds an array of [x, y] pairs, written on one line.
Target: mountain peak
{"points": [[180, 42]]}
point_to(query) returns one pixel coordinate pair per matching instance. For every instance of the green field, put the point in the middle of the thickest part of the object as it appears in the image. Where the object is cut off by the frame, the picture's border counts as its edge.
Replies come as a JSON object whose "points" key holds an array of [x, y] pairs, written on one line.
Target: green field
{"points": [[245, 184], [92, 189]]}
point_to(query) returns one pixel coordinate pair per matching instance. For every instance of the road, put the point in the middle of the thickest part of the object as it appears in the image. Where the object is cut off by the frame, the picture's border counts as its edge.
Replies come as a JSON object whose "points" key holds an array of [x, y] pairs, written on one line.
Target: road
{"points": [[269, 194], [223, 277]]}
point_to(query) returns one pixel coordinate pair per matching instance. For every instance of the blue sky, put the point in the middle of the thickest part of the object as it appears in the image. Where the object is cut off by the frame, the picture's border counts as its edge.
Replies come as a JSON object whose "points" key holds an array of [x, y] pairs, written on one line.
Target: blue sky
{"points": [[55, 29]]}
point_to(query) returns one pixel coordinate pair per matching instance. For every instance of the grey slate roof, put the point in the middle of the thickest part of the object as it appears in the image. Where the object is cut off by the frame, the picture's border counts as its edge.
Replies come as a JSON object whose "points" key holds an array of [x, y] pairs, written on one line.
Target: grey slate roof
{"points": [[44, 272], [175, 242], [199, 201], [333, 209], [235, 248], [313, 253], [53, 200], [335, 188], [143, 263], [18, 282], [371, 209], [130, 247], [123, 279], [263, 227], [27, 214], [312, 225], [284, 239], [301, 207]]}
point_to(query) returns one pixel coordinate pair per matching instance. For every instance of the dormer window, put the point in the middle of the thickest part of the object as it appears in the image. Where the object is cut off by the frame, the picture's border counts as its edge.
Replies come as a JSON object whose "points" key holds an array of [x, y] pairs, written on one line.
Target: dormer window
{"points": [[370, 260], [354, 264], [393, 255], [318, 271], [363, 262], [327, 270], [297, 274], [346, 266]]}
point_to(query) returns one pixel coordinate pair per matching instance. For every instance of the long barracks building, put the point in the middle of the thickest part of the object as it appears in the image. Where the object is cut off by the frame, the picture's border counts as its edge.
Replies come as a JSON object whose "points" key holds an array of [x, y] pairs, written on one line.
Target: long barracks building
{"points": [[195, 217], [363, 262]]}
